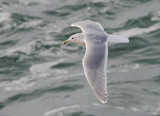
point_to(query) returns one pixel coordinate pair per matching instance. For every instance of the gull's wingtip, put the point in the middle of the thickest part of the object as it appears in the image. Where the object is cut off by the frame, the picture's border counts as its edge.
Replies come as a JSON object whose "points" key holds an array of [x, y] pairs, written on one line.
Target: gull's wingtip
{"points": [[103, 98], [104, 101]]}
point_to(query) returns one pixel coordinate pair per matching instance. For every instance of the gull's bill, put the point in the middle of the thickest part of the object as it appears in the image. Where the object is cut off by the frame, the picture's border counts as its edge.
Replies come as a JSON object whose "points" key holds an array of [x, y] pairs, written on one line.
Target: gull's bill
{"points": [[64, 42]]}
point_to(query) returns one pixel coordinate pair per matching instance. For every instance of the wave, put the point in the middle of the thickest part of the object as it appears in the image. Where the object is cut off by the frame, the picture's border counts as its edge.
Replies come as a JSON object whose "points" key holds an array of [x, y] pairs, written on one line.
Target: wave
{"points": [[138, 31], [5, 21], [22, 84], [72, 107], [39, 72], [123, 67], [148, 109]]}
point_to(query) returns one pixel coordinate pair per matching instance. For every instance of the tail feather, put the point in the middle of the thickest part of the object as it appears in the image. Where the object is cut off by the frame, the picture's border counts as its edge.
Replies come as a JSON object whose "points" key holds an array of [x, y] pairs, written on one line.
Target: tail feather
{"points": [[117, 39]]}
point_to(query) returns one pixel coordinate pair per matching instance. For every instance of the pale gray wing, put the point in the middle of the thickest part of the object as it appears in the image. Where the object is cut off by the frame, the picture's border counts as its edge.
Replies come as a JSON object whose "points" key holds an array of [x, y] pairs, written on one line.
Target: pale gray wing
{"points": [[88, 26], [94, 64]]}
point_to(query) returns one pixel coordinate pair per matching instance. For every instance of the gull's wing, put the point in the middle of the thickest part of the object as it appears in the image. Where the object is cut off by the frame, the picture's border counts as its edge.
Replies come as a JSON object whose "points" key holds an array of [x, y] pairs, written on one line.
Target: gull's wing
{"points": [[94, 64], [88, 26]]}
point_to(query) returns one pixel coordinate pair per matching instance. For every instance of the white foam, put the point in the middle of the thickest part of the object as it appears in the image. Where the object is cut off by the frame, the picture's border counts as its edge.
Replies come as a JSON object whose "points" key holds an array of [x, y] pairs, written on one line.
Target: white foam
{"points": [[128, 67], [45, 67], [60, 109], [27, 48], [27, 2], [56, 27], [135, 109], [156, 16], [22, 84], [5, 16], [138, 31], [150, 109], [124, 68], [38, 73], [120, 107], [29, 24]]}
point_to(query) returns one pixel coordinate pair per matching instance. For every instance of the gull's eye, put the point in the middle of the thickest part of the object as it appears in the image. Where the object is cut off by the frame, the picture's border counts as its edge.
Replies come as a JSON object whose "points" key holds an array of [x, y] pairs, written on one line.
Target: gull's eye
{"points": [[72, 38]]}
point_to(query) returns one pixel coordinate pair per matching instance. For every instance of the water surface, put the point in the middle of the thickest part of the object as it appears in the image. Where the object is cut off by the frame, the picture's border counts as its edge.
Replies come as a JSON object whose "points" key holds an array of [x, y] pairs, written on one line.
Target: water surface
{"points": [[41, 77]]}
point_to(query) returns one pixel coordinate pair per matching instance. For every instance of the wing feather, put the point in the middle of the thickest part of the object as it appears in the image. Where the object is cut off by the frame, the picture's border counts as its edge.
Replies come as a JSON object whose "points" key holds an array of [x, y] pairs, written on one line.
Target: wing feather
{"points": [[94, 64], [88, 26]]}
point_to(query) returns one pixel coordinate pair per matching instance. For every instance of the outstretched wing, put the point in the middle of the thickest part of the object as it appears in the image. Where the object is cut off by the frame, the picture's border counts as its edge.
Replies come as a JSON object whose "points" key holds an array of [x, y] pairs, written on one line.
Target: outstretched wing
{"points": [[94, 64], [88, 26]]}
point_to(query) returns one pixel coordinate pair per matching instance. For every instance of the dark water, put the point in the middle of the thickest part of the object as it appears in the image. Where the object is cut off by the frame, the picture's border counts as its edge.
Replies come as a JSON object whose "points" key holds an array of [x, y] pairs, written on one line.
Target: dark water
{"points": [[41, 77]]}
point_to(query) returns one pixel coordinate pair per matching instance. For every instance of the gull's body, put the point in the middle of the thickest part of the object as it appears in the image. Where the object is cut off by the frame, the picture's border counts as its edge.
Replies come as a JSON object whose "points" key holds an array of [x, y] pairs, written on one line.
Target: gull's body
{"points": [[94, 62]]}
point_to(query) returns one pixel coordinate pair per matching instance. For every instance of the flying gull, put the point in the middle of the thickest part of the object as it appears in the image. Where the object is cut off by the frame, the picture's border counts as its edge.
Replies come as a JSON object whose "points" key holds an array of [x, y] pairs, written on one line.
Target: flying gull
{"points": [[96, 40]]}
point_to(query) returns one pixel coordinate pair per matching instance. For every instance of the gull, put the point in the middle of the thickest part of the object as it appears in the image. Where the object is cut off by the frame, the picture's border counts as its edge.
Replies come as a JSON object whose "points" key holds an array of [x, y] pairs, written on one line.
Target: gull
{"points": [[96, 40]]}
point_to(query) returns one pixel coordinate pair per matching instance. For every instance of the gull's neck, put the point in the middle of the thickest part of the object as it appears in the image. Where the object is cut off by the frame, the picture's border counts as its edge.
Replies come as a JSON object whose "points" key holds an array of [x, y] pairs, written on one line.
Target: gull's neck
{"points": [[80, 39]]}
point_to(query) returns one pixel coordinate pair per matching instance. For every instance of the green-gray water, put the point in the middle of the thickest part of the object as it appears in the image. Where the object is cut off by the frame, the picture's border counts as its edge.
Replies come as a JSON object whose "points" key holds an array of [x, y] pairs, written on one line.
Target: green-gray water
{"points": [[41, 77]]}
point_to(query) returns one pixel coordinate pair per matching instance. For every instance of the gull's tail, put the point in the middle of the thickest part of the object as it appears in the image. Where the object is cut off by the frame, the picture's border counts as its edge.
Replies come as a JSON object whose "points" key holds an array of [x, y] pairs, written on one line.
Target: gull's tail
{"points": [[117, 39]]}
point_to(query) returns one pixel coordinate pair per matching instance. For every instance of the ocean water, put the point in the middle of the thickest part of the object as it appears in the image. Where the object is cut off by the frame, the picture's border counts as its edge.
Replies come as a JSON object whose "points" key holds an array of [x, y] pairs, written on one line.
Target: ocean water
{"points": [[41, 77]]}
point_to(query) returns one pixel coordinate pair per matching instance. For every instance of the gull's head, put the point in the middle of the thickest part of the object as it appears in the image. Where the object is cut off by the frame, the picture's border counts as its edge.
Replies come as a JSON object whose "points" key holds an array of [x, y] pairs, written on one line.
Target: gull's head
{"points": [[71, 39], [76, 38]]}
